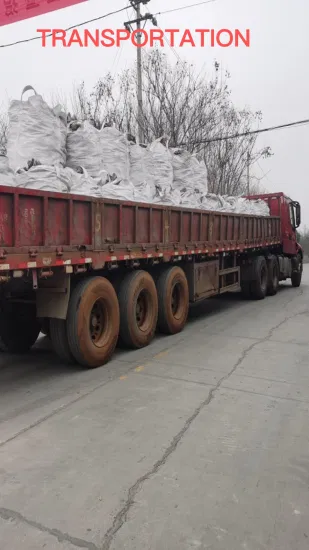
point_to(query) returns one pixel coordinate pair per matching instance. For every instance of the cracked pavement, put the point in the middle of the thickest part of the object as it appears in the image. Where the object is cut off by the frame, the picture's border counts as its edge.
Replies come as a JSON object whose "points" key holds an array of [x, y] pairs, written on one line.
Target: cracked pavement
{"points": [[200, 440]]}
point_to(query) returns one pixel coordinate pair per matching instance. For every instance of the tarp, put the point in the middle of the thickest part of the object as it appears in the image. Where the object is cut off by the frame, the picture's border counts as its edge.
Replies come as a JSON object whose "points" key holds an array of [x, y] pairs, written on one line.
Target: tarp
{"points": [[12, 11]]}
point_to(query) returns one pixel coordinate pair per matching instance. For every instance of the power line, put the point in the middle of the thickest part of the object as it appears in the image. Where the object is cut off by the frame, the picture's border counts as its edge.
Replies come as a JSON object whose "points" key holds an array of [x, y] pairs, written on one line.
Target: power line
{"points": [[68, 29], [264, 175], [249, 133], [185, 7]]}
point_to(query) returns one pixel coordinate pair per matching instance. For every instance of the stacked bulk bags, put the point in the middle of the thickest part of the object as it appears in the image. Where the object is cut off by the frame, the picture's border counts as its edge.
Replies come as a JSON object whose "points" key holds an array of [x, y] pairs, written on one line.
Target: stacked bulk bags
{"points": [[46, 153]]}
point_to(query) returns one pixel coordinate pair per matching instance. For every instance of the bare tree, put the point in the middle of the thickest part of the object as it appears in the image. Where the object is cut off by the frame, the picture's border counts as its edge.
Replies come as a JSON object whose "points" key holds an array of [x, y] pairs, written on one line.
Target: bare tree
{"points": [[303, 239]]}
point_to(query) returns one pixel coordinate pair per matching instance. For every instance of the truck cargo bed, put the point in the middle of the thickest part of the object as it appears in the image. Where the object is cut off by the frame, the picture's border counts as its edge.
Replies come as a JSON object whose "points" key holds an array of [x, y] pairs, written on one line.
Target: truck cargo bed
{"points": [[42, 229]]}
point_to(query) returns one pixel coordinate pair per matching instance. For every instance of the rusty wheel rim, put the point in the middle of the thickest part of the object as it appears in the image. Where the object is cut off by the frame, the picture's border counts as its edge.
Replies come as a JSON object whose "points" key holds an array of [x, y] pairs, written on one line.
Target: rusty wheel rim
{"points": [[98, 323], [177, 300], [141, 309]]}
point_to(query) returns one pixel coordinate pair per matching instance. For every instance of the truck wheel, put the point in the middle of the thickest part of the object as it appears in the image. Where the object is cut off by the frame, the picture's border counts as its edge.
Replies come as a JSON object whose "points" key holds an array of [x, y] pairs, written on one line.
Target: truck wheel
{"points": [[173, 298], [138, 303], [246, 290], [19, 327], [45, 328], [273, 276], [59, 339], [93, 322], [296, 276], [259, 279]]}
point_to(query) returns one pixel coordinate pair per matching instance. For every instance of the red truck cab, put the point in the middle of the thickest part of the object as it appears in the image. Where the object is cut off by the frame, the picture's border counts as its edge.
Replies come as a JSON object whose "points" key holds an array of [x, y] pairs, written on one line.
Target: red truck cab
{"points": [[289, 212]]}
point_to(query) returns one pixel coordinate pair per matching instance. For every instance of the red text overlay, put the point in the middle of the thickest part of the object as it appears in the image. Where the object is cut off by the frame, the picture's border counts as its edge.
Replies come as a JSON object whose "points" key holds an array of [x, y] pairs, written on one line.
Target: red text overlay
{"points": [[109, 38], [12, 11]]}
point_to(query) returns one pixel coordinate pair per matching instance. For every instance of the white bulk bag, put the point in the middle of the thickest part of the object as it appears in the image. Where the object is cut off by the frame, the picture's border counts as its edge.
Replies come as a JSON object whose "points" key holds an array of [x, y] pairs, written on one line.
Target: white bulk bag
{"points": [[140, 160], [214, 202], [240, 205], [45, 178], [167, 196], [191, 199], [159, 164], [35, 132], [7, 176], [115, 153], [83, 184], [199, 174], [143, 181], [144, 192], [121, 191], [84, 149], [188, 172]]}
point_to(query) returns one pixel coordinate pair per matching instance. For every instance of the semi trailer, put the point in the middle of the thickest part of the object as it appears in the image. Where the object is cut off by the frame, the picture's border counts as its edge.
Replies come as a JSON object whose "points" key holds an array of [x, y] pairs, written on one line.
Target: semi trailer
{"points": [[94, 273]]}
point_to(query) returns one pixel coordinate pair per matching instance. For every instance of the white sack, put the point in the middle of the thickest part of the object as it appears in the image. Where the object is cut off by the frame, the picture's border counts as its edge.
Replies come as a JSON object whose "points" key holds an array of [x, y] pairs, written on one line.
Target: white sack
{"points": [[144, 193], [236, 205], [84, 149], [35, 132], [82, 183], [115, 154], [45, 178], [188, 172], [245, 206], [167, 196], [7, 176], [144, 186], [191, 199], [140, 161], [159, 164], [122, 191]]}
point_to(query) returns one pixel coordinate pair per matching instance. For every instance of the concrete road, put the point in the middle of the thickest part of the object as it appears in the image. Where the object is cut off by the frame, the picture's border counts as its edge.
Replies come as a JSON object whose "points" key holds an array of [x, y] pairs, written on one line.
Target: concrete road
{"points": [[200, 441]]}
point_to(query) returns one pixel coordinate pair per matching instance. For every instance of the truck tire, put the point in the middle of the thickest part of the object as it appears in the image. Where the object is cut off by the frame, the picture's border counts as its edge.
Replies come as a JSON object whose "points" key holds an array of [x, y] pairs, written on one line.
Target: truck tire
{"points": [[259, 278], [19, 327], [296, 276], [138, 303], [59, 340], [273, 276], [246, 290], [173, 299], [45, 328], [93, 322]]}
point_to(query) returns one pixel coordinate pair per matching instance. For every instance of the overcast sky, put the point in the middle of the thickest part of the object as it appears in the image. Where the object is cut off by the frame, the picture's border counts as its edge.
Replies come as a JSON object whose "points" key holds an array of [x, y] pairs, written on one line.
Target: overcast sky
{"points": [[272, 75]]}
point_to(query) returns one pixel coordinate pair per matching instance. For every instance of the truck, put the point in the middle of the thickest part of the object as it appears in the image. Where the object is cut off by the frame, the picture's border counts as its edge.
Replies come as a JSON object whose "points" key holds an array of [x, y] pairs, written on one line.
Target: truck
{"points": [[96, 273]]}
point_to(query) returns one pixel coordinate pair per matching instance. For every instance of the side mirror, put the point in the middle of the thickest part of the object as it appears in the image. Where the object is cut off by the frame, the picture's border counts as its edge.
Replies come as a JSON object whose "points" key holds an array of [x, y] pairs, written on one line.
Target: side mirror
{"points": [[297, 214]]}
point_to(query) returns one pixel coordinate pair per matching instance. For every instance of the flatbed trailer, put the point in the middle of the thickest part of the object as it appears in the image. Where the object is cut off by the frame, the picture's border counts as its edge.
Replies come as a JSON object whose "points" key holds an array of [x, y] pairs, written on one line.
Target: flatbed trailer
{"points": [[95, 272]]}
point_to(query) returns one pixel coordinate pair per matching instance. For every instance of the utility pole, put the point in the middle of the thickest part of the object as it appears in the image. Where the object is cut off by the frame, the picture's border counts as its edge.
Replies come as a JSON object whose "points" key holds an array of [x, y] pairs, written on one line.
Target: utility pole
{"points": [[140, 121], [136, 4], [248, 173]]}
